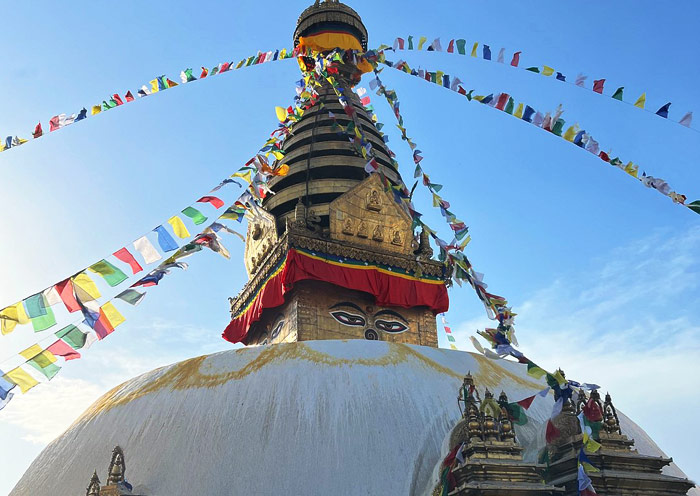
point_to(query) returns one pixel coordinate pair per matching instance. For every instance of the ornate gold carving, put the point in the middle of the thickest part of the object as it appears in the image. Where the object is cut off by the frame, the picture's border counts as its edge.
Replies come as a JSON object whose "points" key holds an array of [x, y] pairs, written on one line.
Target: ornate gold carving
{"points": [[373, 201], [348, 227], [378, 233], [362, 230], [396, 239]]}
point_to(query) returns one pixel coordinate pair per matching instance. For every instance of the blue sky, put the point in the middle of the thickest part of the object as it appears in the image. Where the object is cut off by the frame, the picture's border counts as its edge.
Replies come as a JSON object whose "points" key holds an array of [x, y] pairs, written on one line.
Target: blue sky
{"points": [[602, 271]]}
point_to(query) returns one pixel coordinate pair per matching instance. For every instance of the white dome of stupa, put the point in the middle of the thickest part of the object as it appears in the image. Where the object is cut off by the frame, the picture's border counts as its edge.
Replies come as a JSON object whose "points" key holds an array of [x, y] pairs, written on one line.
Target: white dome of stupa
{"points": [[326, 417]]}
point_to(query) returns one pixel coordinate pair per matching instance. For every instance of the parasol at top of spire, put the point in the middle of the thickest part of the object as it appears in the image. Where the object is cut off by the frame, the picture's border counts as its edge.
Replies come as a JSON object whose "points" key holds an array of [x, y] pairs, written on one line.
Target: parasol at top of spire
{"points": [[328, 25]]}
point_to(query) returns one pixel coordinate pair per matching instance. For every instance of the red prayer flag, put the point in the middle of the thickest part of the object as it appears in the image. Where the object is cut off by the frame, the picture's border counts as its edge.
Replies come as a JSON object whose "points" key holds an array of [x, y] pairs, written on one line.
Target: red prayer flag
{"points": [[225, 66], [451, 47], [461, 91], [60, 348], [129, 97], [103, 327], [526, 402], [118, 99], [552, 432], [217, 202], [604, 157], [205, 73], [37, 131], [448, 330], [54, 123], [128, 258], [502, 100], [516, 59], [65, 291], [598, 85], [592, 411], [171, 83]]}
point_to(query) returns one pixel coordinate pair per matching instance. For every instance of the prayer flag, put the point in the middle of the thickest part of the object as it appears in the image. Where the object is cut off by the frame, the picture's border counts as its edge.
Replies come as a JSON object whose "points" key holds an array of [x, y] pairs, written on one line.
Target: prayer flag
{"points": [[109, 319], [85, 288], [5, 387], [281, 113], [211, 199], [519, 111], [129, 96], [663, 111], [111, 274], [35, 306], [131, 296], [54, 122], [179, 227], [551, 432], [598, 85], [73, 336], [527, 116], [580, 80], [155, 87], [641, 101], [126, 257], [147, 250], [194, 214], [143, 91], [21, 378], [205, 73], [166, 242], [96, 109], [618, 93], [561, 77], [186, 76], [533, 69], [558, 127], [117, 99], [516, 59], [547, 71], [535, 371], [66, 292], [410, 42], [476, 44], [81, 115], [170, 83], [60, 348], [451, 46], [526, 402], [686, 120], [571, 132], [44, 322], [501, 54], [461, 47], [11, 316], [37, 131], [421, 42], [502, 100], [486, 52], [42, 360]]}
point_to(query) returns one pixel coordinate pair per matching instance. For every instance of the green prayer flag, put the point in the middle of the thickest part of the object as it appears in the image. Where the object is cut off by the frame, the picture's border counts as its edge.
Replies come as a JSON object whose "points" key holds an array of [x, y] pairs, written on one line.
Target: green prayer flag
{"points": [[189, 76], [131, 296], [509, 106], [450, 338], [35, 306], [558, 128], [460, 47], [618, 93], [49, 370], [112, 275], [250, 60], [410, 42], [517, 414], [533, 69], [73, 336], [469, 95], [695, 206], [214, 70], [194, 214], [43, 322], [595, 427]]}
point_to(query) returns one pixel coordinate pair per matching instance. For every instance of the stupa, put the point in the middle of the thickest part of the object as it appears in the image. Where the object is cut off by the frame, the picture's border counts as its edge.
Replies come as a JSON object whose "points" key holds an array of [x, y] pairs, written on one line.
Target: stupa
{"points": [[341, 389]]}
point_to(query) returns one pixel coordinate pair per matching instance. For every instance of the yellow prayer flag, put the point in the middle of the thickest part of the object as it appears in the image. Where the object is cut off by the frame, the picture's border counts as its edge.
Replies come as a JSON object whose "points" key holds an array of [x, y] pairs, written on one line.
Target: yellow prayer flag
{"points": [[278, 154], [21, 378], [641, 101], [474, 49], [283, 54], [112, 314], [421, 42], [154, 86], [438, 76], [571, 133], [85, 288], [11, 316], [519, 111], [536, 372], [592, 445], [632, 169], [547, 71], [282, 170], [31, 352], [96, 109], [478, 98], [559, 378], [281, 113], [179, 227], [246, 176]]}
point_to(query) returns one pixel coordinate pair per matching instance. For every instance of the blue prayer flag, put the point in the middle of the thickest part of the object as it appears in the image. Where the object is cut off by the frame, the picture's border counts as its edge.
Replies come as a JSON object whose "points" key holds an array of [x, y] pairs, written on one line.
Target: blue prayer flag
{"points": [[578, 139], [561, 77], [527, 115], [487, 99], [5, 387], [663, 111], [165, 240], [82, 115], [446, 81], [487, 52], [8, 142], [161, 83]]}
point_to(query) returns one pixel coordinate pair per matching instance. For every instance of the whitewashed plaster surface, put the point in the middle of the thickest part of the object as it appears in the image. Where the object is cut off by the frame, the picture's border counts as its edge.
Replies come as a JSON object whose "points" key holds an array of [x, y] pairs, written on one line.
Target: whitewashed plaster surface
{"points": [[313, 418]]}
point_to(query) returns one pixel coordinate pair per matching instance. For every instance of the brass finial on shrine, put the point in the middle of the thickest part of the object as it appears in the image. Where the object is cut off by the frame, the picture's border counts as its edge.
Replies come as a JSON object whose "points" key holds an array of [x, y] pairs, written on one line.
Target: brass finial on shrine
{"points": [[93, 488], [117, 467], [611, 423]]}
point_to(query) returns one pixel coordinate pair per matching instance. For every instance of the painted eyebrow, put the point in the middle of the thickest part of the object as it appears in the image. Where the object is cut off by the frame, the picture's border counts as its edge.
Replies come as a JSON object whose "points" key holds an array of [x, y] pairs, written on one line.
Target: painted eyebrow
{"points": [[348, 304], [389, 312]]}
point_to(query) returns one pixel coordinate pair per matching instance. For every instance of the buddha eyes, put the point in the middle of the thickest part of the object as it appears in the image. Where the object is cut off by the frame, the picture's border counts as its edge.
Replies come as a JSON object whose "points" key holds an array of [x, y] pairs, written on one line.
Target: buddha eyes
{"points": [[348, 319], [391, 326], [277, 329]]}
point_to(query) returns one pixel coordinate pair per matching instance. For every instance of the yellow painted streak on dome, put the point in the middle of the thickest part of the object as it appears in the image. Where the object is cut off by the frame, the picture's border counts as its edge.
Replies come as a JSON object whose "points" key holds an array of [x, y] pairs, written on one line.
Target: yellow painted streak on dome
{"points": [[187, 375]]}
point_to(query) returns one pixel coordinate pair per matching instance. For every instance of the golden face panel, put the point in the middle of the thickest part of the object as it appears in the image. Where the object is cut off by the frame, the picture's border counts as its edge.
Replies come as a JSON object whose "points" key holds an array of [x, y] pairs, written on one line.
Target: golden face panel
{"points": [[372, 322]]}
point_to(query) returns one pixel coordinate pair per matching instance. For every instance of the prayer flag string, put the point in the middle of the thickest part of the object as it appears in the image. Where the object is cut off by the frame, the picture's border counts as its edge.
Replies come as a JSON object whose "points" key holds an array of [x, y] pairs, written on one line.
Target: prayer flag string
{"points": [[483, 51]]}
